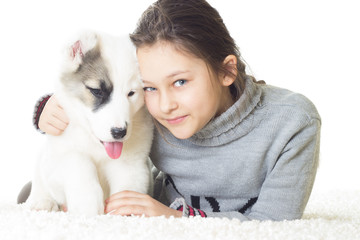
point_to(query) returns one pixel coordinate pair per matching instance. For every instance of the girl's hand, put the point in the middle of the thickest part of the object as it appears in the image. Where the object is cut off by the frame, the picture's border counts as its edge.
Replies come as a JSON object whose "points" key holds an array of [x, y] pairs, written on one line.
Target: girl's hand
{"points": [[133, 203], [53, 119]]}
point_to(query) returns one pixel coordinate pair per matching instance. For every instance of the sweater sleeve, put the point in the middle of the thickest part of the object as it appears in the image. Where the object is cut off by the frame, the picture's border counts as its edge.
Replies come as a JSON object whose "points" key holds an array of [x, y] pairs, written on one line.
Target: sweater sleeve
{"points": [[189, 211], [287, 187], [180, 205], [39, 107]]}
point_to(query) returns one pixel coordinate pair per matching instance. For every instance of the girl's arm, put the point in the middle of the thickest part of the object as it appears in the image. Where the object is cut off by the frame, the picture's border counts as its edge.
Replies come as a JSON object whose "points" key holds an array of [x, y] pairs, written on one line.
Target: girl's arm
{"points": [[128, 203], [49, 116], [287, 187]]}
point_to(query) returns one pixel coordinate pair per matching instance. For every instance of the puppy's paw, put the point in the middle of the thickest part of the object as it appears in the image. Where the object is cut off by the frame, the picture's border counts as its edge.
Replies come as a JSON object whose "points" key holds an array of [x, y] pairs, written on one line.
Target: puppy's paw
{"points": [[45, 204], [88, 209]]}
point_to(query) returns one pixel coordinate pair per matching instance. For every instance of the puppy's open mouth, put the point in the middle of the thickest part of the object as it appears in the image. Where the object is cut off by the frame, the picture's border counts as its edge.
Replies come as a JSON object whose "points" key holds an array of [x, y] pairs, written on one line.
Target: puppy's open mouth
{"points": [[113, 149]]}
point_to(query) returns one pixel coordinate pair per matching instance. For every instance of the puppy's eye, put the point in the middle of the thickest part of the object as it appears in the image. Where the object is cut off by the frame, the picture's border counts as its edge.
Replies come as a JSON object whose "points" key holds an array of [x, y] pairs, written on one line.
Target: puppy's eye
{"points": [[131, 93], [98, 93]]}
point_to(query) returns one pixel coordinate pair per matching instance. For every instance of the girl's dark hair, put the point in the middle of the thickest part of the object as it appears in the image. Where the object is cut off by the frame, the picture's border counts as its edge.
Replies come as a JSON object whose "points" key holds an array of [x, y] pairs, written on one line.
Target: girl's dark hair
{"points": [[195, 27]]}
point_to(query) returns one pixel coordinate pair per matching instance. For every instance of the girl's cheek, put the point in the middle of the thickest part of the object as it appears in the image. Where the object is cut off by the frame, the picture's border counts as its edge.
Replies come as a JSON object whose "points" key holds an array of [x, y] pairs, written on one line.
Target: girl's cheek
{"points": [[147, 100], [151, 105]]}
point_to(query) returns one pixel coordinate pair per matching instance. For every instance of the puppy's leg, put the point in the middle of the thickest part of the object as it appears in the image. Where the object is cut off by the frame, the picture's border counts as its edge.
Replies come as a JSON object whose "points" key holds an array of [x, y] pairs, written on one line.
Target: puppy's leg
{"points": [[82, 189], [132, 174], [40, 198]]}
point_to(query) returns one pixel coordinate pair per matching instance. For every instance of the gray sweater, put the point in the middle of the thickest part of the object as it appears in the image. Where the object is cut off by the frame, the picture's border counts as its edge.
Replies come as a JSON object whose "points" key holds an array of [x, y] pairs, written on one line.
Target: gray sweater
{"points": [[257, 160]]}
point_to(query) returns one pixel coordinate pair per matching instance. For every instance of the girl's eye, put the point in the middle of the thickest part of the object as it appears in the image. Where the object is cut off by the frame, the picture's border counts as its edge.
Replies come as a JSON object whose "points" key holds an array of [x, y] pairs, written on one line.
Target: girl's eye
{"points": [[180, 83], [149, 89]]}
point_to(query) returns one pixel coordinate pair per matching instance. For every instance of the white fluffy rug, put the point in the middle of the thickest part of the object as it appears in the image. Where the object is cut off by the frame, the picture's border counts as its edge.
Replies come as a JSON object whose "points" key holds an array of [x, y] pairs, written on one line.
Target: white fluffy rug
{"points": [[331, 215]]}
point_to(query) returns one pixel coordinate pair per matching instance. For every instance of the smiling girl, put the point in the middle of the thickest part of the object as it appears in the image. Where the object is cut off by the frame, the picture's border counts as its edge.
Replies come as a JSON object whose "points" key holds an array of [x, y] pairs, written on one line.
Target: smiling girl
{"points": [[225, 145]]}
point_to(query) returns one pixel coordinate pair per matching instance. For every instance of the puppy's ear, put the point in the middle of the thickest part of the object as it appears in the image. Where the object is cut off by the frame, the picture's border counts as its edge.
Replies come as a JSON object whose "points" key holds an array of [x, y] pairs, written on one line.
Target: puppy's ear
{"points": [[77, 50]]}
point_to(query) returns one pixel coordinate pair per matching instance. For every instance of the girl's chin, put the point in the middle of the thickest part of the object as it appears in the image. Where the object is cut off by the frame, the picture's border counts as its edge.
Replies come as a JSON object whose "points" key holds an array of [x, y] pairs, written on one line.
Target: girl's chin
{"points": [[180, 134], [181, 131]]}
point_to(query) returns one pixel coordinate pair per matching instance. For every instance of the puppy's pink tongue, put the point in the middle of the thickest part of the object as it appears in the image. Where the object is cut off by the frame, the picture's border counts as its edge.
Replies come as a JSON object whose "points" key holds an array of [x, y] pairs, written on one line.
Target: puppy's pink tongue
{"points": [[113, 149]]}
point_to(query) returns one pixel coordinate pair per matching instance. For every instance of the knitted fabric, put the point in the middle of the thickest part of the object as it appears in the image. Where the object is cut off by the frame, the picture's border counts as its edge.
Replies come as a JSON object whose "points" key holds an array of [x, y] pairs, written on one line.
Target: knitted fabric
{"points": [[257, 160]]}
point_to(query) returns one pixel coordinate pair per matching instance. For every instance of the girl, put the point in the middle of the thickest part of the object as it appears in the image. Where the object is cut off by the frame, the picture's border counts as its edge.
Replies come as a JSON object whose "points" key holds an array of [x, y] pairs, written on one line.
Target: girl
{"points": [[225, 145]]}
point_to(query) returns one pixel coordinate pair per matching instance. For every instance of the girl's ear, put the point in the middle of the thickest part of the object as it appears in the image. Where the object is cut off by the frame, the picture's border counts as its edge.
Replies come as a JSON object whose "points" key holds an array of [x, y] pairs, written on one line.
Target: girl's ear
{"points": [[230, 64]]}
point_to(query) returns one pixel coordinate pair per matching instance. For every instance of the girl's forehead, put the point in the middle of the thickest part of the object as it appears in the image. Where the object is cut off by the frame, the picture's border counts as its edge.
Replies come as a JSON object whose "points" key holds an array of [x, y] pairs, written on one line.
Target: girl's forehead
{"points": [[164, 47], [168, 54], [165, 62]]}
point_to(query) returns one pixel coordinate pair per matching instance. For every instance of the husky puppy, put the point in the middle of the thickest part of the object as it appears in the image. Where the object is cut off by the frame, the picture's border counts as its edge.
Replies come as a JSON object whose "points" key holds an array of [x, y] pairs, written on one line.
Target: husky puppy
{"points": [[105, 147]]}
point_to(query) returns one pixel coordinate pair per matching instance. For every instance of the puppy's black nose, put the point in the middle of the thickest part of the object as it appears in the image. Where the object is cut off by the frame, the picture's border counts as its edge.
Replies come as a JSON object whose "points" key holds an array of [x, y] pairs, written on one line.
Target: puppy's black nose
{"points": [[118, 133]]}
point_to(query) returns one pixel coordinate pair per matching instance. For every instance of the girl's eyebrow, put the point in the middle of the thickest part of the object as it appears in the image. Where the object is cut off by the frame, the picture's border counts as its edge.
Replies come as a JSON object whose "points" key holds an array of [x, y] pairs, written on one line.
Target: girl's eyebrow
{"points": [[169, 76], [144, 81], [176, 73]]}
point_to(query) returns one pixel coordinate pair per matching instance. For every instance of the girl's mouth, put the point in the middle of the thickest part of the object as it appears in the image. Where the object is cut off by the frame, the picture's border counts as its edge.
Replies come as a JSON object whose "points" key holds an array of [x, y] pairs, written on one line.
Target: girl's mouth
{"points": [[176, 120]]}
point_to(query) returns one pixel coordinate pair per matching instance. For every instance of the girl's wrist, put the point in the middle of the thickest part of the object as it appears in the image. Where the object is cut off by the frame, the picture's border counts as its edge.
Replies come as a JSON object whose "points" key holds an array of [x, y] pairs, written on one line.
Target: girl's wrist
{"points": [[38, 110], [178, 214]]}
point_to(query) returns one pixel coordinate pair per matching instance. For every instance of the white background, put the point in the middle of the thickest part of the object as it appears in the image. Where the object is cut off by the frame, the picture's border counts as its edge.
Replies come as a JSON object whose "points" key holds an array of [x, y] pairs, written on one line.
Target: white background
{"points": [[310, 46]]}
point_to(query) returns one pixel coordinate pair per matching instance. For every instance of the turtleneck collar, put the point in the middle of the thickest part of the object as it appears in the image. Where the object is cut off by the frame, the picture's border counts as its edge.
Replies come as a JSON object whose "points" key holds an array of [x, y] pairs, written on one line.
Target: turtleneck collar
{"points": [[224, 128]]}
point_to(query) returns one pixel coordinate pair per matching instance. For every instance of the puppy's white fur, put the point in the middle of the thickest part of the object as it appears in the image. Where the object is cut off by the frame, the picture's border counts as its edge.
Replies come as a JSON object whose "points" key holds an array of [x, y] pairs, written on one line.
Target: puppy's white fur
{"points": [[74, 169]]}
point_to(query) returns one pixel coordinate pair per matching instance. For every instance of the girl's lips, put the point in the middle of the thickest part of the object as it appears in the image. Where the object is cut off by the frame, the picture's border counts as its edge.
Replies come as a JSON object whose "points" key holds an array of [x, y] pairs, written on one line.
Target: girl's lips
{"points": [[176, 120]]}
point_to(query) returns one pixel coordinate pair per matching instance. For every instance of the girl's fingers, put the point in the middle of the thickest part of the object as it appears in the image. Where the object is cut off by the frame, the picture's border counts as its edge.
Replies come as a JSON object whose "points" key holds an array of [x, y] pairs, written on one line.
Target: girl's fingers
{"points": [[125, 202], [60, 114], [58, 123], [129, 210], [133, 203], [125, 194], [52, 130], [63, 208]]}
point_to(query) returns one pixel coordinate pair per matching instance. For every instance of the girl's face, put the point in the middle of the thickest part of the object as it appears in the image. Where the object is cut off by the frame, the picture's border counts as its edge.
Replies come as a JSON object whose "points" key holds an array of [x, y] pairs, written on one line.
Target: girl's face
{"points": [[179, 90]]}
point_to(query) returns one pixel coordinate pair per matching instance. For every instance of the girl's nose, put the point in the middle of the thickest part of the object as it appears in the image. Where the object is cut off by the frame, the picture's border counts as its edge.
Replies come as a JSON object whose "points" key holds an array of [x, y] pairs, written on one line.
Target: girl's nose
{"points": [[167, 103]]}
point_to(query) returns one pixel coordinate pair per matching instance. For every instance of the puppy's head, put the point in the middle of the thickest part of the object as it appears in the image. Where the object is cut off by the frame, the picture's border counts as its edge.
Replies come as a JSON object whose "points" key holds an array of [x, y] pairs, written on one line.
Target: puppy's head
{"points": [[101, 73]]}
